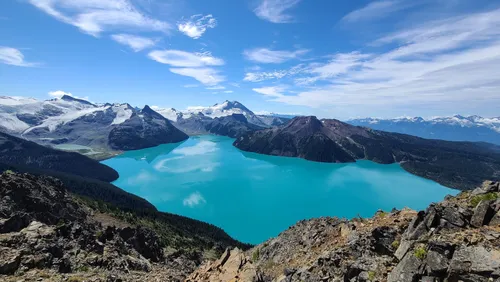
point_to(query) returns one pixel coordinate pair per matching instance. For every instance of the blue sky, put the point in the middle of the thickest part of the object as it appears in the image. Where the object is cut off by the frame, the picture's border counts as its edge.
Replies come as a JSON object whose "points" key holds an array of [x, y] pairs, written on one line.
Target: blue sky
{"points": [[339, 59]]}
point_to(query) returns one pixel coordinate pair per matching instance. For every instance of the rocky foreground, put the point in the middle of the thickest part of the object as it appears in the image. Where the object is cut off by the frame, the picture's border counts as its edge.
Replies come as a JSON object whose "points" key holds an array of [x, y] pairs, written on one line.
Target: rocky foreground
{"points": [[455, 240], [46, 234]]}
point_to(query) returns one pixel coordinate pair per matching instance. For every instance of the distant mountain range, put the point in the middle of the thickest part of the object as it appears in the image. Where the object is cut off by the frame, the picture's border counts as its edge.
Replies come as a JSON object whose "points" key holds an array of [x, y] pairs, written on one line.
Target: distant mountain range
{"points": [[454, 128], [461, 165], [98, 128]]}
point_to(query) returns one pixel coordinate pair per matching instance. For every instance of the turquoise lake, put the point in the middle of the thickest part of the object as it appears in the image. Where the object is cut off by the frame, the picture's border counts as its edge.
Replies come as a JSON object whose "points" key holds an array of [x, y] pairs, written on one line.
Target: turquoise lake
{"points": [[254, 197]]}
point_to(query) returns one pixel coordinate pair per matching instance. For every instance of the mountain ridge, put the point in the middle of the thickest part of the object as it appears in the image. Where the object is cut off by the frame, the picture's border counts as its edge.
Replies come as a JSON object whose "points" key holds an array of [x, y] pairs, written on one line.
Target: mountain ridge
{"points": [[459, 165]]}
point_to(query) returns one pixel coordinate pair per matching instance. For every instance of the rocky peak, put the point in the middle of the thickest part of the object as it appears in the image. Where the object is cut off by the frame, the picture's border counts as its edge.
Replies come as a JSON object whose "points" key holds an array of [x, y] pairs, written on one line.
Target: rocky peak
{"points": [[304, 123]]}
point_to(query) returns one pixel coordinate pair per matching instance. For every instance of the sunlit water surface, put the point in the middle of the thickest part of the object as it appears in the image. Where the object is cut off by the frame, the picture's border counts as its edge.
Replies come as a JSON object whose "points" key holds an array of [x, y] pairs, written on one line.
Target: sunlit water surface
{"points": [[254, 197]]}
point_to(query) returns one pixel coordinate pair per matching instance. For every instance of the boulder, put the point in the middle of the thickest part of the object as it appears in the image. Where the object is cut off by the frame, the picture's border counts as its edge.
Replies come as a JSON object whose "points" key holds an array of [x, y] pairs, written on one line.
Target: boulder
{"points": [[474, 259], [407, 270], [482, 214]]}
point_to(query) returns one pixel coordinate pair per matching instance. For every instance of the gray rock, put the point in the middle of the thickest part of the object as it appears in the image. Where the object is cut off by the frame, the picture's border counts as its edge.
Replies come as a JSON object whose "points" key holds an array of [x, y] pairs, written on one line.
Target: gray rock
{"points": [[495, 220], [474, 259], [407, 269], [451, 215], [403, 248], [430, 279], [436, 263], [482, 214]]}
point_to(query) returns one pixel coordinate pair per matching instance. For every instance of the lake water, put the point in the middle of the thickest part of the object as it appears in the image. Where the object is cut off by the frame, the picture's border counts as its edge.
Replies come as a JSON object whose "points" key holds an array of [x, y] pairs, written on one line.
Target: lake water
{"points": [[254, 197]]}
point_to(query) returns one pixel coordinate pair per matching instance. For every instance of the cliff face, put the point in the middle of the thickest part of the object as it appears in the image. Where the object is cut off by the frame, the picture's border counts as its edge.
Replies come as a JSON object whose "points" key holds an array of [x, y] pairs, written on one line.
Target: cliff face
{"points": [[47, 233], [457, 239], [459, 165]]}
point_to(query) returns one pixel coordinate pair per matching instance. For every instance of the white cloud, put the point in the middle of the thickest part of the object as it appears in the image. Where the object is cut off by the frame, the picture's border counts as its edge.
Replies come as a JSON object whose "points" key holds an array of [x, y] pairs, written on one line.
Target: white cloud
{"points": [[276, 74], [93, 16], [136, 43], [273, 91], [228, 91], [60, 93], [190, 85], [194, 199], [450, 62], [377, 9], [216, 87], [196, 26], [191, 64], [275, 10], [14, 57], [207, 76], [267, 56], [177, 58]]}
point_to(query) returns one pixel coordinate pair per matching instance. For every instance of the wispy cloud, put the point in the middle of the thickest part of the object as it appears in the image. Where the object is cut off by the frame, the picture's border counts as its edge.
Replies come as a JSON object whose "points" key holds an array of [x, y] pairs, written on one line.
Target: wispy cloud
{"points": [[194, 65], [14, 57], [193, 200], [276, 74], [136, 43], [196, 26], [378, 9], [273, 91], [268, 56], [207, 76], [93, 17], [177, 58], [451, 61], [275, 11]]}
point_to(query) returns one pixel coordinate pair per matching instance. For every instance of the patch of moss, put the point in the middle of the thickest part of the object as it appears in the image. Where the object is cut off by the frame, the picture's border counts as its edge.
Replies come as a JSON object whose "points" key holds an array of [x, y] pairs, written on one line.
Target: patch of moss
{"points": [[255, 255], [395, 244], [371, 275], [484, 197], [420, 253]]}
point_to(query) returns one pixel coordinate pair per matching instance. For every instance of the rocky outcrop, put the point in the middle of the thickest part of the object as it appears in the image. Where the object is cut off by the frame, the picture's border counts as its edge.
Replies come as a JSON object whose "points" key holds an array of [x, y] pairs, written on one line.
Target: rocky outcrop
{"points": [[144, 129], [459, 165], [45, 232], [454, 240]]}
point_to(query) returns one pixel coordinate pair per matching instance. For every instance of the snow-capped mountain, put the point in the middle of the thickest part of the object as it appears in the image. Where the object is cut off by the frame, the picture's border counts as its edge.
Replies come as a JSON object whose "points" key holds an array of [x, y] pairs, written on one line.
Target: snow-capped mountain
{"points": [[227, 108], [68, 120], [453, 128]]}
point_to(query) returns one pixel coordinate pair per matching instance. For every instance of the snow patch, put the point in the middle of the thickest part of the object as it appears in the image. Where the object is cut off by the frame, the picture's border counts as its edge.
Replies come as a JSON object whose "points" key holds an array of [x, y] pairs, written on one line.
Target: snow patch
{"points": [[123, 113]]}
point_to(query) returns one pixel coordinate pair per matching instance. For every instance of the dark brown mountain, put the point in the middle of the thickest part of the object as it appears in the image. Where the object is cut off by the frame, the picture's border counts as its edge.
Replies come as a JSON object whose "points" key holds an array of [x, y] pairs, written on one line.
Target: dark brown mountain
{"points": [[460, 165], [144, 129]]}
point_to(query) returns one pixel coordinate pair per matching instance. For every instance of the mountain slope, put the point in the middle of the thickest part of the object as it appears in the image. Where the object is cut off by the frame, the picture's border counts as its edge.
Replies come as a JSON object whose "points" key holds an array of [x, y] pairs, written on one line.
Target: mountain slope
{"points": [[144, 129], [46, 232], [454, 128], [68, 120], [18, 152], [460, 165], [232, 126]]}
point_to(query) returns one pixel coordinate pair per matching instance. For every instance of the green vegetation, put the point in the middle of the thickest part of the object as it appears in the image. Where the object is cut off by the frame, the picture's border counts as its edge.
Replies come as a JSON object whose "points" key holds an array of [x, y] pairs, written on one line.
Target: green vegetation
{"points": [[174, 231], [395, 244], [382, 214], [485, 197], [371, 275], [255, 255], [420, 253], [8, 171]]}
